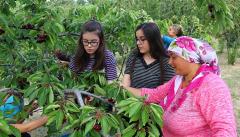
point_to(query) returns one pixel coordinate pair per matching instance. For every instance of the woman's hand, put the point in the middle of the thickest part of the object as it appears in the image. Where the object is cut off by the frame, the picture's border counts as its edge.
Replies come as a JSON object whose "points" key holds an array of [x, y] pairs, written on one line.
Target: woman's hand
{"points": [[134, 91], [63, 63]]}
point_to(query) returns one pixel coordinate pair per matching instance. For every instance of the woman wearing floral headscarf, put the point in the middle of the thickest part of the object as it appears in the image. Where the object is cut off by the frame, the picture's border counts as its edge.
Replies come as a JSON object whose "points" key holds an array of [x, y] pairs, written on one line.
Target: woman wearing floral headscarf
{"points": [[197, 102]]}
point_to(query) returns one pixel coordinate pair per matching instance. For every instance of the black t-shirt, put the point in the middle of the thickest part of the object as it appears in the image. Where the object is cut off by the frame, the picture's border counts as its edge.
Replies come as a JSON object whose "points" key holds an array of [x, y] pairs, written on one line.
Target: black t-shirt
{"points": [[147, 75]]}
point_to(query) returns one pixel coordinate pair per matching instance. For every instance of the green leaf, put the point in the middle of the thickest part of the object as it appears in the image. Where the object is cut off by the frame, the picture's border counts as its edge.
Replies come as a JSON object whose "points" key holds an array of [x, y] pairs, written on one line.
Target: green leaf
{"points": [[33, 95], [128, 128], [99, 90], [51, 119], [89, 126], [157, 117], [42, 96], [135, 108], [59, 119], [4, 127], [85, 120], [130, 133], [154, 130], [142, 134], [35, 77], [157, 108], [124, 103], [74, 134], [30, 90], [105, 125], [145, 115], [59, 26], [51, 96], [15, 131], [51, 107]]}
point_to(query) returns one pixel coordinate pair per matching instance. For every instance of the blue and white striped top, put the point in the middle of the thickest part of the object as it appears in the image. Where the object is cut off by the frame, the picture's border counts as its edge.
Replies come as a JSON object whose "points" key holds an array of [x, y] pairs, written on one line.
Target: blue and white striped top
{"points": [[110, 65]]}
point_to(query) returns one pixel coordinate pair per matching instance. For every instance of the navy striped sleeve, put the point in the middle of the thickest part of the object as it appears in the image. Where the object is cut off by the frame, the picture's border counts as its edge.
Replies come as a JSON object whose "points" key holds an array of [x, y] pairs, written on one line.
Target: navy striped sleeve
{"points": [[72, 67], [110, 65]]}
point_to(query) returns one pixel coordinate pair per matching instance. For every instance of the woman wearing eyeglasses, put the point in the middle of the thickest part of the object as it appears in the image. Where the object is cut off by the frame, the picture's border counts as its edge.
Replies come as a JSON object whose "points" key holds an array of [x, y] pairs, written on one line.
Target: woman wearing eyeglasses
{"points": [[92, 54], [147, 66]]}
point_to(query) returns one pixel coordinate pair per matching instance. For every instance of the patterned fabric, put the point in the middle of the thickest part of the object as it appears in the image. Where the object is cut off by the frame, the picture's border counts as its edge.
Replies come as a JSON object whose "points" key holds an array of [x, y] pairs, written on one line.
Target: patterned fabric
{"points": [[110, 65], [11, 108], [206, 112], [196, 51]]}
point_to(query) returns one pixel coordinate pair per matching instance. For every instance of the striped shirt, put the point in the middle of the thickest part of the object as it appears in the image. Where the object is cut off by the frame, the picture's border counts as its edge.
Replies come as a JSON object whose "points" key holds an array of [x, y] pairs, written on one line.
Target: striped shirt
{"points": [[110, 67], [147, 75]]}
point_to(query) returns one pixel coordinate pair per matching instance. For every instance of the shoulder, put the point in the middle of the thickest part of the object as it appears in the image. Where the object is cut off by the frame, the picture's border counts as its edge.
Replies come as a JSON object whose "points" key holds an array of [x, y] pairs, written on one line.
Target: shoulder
{"points": [[213, 79], [213, 85], [167, 38], [133, 54], [165, 60], [109, 56]]}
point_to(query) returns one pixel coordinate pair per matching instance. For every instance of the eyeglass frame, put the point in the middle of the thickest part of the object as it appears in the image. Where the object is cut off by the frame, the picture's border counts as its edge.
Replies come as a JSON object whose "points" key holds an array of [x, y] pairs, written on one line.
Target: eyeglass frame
{"points": [[87, 43], [141, 41]]}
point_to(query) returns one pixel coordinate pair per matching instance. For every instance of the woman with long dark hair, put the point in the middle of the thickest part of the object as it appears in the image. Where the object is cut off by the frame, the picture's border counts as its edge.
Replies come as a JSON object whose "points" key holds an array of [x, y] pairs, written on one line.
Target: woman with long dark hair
{"points": [[147, 65], [91, 53]]}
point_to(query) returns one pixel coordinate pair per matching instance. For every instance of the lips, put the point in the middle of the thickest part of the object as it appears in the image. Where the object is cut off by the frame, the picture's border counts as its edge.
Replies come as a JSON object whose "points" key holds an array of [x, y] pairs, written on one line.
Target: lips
{"points": [[89, 50]]}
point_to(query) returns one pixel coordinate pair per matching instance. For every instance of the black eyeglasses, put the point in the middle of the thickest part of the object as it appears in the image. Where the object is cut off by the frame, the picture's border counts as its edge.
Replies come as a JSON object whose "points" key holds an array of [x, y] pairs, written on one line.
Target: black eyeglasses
{"points": [[92, 43], [140, 41]]}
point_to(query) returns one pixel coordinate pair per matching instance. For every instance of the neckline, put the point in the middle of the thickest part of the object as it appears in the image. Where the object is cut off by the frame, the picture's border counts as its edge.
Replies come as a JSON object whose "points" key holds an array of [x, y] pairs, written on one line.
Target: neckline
{"points": [[148, 65]]}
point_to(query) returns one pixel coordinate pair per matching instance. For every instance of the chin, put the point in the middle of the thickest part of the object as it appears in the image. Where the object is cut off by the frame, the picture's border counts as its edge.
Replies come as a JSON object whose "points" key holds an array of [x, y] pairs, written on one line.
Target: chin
{"points": [[142, 52], [178, 73]]}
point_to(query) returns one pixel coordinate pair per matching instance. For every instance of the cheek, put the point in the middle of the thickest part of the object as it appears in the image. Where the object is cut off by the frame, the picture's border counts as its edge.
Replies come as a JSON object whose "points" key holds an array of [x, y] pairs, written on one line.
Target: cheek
{"points": [[147, 47]]}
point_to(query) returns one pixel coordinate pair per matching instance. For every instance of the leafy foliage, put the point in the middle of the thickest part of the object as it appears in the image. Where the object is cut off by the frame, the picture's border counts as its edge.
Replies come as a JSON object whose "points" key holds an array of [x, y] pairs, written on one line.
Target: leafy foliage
{"points": [[31, 32]]}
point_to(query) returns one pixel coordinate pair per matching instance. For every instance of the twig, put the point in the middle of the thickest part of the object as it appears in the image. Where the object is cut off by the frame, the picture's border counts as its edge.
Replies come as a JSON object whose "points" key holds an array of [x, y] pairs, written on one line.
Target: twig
{"points": [[76, 92], [6, 65], [4, 89], [68, 34], [121, 70]]}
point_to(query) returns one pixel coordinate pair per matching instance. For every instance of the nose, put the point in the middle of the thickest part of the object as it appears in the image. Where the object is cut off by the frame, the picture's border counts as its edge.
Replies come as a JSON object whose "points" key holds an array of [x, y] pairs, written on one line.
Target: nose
{"points": [[138, 42], [89, 45]]}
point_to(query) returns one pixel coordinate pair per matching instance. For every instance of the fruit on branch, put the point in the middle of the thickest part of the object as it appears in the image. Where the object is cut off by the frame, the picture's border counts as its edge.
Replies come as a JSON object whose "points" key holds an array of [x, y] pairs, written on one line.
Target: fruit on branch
{"points": [[97, 127], [211, 7], [22, 82], [27, 26], [60, 76], [60, 55], [2, 31], [41, 38], [110, 100], [88, 98]]}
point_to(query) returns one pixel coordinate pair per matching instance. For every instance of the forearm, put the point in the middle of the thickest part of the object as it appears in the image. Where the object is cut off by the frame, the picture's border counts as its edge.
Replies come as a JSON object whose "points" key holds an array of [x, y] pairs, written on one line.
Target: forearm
{"points": [[126, 81], [134, 91], [26, 127]]}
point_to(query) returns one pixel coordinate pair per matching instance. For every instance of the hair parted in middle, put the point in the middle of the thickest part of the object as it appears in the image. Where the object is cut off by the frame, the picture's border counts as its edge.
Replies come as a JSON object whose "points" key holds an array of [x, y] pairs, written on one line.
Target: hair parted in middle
{"points": [[81, 56]]}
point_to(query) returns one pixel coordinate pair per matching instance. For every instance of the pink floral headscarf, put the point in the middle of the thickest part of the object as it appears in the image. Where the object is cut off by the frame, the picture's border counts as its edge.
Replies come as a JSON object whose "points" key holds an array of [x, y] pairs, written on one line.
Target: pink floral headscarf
{"points": [[196, 51]]}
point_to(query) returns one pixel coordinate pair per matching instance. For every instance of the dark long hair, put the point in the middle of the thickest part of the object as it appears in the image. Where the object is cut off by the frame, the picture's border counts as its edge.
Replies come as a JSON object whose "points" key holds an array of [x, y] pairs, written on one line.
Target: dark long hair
{"points": [[81, 56], [153, 36]]}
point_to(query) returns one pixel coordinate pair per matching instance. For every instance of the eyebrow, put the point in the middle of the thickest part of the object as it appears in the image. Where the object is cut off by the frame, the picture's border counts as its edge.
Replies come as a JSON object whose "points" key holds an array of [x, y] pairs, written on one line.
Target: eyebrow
{"points": [[141, 37], [90, 40]]}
